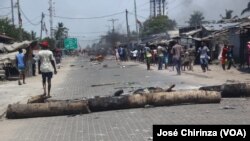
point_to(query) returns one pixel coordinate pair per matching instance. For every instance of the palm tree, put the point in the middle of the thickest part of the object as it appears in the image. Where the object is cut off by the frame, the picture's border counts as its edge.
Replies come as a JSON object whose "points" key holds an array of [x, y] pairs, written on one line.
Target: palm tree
{"points": [[247, 9], [60, 34], [228, 14], [60, 31]]}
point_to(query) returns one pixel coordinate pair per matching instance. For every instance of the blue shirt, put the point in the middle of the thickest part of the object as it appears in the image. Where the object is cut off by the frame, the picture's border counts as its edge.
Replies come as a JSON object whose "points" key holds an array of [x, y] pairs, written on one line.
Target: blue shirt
{"points": [[20, 60]]}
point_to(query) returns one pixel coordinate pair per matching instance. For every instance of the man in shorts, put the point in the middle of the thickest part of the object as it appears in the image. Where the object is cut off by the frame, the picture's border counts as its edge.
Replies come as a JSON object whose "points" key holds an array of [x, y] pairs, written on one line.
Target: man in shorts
{"points": [[20, 63], [46, 66]]}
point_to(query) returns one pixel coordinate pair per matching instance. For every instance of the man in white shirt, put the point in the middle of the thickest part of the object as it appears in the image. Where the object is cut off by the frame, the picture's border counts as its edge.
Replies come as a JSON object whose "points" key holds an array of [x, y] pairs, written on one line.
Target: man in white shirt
{"points": [[46, 65]]}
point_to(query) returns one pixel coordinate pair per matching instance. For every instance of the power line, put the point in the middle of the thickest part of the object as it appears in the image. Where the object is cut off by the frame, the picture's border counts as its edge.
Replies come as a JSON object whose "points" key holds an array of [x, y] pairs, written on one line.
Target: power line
{"points": [[179, 4], [131, 13], [89, 40], [4, 8], [113, 23], [89, 18], [88, 32], [144, 4], [35, 24]]}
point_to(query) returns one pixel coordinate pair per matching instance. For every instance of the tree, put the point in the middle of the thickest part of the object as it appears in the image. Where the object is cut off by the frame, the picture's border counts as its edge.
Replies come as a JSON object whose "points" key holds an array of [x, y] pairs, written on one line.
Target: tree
{"points": [[157, 25], [196, 19], [228, 17], [11, 31], [246, 9], [228, 14], [60, 34], [61, 31]]}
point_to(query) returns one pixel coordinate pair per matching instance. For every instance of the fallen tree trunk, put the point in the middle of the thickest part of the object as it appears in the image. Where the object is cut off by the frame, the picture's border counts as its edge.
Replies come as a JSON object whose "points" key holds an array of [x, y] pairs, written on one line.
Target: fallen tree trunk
{"points": [[230, 90], [47, 109], [156, 99]]}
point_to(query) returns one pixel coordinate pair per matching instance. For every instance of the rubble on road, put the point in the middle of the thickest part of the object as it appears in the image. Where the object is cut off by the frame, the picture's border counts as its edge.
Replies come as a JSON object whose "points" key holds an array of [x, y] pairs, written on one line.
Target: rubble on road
{"points": [[98, 58]]}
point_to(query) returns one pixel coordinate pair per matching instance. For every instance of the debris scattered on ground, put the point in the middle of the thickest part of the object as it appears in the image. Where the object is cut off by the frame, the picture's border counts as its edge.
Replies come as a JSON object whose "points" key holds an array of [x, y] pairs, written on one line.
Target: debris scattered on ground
{"points": [[131, 83], [72, 65], [118, 93], [148, 106], [230, 81], [82, 66], [228, 107], [96, 63], [37, 99], [105, 66], [117, 88], [98, 58], [106, 84], [170, 88], [150, 138], [152, 90]]}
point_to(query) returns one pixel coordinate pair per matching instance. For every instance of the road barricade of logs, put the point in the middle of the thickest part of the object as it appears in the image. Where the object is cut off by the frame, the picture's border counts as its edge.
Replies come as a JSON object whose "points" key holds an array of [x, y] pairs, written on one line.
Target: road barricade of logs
{"points": [[39, 106]]}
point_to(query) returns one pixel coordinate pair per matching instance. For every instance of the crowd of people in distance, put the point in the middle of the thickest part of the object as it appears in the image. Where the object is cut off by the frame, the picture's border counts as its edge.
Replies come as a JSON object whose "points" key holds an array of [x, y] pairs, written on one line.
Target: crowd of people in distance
{"points": [[180, 57]]}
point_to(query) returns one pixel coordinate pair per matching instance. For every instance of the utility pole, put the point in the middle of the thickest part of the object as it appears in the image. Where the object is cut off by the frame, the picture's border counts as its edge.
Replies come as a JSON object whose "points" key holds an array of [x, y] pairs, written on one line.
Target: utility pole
{"points": [[128, 32], [42, 26], [12, 12], [51, 18], [159, 7], [19, 21], [137, 29], [113, 22]]}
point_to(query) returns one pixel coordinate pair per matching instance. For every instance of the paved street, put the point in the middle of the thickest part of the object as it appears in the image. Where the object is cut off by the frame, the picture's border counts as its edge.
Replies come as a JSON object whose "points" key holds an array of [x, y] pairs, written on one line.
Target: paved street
{"points": [[74, 81]]}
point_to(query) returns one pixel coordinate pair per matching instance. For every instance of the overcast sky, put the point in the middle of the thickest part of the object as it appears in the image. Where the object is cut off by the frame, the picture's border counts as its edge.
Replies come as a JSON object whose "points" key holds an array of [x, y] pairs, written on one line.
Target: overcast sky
{"points": [[85, 30]]}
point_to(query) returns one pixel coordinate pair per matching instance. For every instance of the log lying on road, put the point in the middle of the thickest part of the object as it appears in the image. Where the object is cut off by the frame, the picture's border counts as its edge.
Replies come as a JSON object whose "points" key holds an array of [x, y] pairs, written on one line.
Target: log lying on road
{"points": [[156, 99], [47, 109], [230, 90]]}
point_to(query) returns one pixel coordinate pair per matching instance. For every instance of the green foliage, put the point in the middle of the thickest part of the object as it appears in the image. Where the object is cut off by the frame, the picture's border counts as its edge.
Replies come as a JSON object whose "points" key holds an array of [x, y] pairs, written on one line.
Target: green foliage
{"points": [[228, 14], [246, 9], [12, 31], [60, 32], [157, 25], [196, 19]]}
